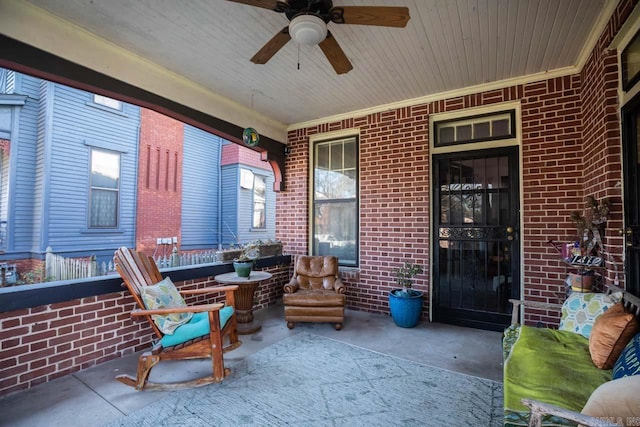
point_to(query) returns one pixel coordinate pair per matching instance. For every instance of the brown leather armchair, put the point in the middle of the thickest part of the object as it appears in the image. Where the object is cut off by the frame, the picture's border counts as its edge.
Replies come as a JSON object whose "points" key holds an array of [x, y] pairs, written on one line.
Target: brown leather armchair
{"points": [[315, 292]]}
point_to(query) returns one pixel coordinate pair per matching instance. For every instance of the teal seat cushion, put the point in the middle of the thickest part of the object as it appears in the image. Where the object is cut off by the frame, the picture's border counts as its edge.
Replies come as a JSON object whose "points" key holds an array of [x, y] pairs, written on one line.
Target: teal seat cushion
{"points": [[196, 327]]}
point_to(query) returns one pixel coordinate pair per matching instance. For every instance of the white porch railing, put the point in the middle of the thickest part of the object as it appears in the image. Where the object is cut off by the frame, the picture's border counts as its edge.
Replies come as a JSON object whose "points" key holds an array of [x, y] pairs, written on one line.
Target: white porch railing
{"points": [[58, 267], [177, 260]]}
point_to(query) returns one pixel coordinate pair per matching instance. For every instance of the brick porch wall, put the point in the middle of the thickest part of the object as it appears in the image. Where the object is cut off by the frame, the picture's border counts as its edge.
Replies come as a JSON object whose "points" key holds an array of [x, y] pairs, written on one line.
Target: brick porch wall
{"points": [[47, 342], [570, 149]]}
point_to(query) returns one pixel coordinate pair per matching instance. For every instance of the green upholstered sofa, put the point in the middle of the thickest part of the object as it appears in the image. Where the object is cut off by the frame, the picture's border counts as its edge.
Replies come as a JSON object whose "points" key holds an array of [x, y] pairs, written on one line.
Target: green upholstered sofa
{"points": [[549, 374]]}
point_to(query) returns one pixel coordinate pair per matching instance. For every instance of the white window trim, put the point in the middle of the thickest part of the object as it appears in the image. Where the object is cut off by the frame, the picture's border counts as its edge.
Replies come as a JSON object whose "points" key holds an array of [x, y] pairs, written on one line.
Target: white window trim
{"points": [[328, 136], [91, 187]]}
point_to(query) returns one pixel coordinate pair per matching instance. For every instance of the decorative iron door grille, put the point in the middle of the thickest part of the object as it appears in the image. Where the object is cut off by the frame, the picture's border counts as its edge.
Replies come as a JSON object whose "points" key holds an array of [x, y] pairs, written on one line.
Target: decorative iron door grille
{"points": [[476, 237]]}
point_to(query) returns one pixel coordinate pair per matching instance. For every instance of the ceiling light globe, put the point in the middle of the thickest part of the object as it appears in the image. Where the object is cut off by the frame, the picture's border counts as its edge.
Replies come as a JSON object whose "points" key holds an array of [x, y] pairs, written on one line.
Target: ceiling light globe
{"points": [[307, 29]]}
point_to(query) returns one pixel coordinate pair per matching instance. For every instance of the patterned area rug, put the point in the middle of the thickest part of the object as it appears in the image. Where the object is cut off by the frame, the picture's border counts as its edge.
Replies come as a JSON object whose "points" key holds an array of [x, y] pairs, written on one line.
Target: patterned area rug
{"points": [[307, 380]]}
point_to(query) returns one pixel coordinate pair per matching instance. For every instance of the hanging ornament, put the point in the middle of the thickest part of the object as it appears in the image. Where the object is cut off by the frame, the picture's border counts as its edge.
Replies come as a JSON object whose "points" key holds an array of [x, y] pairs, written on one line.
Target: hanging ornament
{"points": [[250, 136]]}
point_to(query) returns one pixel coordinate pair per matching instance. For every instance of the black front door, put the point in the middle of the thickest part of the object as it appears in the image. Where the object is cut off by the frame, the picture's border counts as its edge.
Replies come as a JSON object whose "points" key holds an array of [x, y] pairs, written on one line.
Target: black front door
{"points": [[631, 176], [476, 262]]}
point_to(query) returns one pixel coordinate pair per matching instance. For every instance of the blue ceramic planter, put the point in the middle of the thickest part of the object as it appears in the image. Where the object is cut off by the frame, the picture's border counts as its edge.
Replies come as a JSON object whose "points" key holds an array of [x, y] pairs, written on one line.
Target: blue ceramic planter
{"points": [[243, 269], [405, 307]]}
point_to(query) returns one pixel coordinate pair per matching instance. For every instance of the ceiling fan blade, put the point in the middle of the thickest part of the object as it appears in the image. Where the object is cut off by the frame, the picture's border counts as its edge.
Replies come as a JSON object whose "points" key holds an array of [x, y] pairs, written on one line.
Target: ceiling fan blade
{"points": [[272, 47], [335, 54], [381, 16], [266, 4]]}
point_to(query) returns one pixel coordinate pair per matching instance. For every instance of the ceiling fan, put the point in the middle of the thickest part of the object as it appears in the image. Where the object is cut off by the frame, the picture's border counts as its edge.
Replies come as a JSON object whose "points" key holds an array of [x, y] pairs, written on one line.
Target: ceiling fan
{"points": [[308, 21]]}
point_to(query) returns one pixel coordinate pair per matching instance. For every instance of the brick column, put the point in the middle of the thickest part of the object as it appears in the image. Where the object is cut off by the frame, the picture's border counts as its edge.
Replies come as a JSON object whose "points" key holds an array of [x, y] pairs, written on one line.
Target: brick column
{"points": [[159, 179]]}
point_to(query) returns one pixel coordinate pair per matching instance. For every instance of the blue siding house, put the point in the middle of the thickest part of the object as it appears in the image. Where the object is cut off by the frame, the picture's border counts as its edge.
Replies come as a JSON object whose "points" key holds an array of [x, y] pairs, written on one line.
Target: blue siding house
{"points": [[248, 200], [69, 176], [201, 207], [49, 171]]}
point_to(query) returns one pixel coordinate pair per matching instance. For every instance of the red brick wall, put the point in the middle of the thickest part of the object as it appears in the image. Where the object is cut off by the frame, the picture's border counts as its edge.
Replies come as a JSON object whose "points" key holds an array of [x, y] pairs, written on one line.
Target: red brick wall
{"points": [[47, 342], [570, 149], [601, 134], [159, 203]]}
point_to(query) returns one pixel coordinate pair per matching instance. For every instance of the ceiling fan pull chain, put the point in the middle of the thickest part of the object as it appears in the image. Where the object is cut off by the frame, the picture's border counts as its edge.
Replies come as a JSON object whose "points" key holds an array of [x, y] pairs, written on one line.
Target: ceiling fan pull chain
{"points": [[298, 56]]}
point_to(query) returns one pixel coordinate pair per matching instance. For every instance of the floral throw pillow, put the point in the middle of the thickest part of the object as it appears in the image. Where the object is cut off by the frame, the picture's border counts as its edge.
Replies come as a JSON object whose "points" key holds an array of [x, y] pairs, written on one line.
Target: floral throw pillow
{"points": [[165, 295], [580, 310]]}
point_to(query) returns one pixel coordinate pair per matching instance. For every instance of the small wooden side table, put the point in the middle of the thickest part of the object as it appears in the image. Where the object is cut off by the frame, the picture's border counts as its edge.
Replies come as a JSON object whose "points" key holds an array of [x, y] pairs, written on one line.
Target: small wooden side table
{"points": [[244, 297]]}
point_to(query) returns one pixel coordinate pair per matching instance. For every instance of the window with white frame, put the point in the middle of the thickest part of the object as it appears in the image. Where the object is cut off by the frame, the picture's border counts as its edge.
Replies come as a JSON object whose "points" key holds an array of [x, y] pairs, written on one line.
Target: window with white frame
{"points": [[104, 189], [107, 102], [335, 200], [259, 202]]}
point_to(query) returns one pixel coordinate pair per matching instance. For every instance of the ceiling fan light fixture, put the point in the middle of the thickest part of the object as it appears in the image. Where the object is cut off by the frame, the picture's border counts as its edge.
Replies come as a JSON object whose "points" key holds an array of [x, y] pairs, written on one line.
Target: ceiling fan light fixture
{"points": [[308, 29]]}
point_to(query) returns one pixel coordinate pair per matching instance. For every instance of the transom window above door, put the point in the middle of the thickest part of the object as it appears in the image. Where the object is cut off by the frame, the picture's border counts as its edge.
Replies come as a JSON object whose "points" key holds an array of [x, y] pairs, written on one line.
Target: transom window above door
{"points": [[478, 128]]}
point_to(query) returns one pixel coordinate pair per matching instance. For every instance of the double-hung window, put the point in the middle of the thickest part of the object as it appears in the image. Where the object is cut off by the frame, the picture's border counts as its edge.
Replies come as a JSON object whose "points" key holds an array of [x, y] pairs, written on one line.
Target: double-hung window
{"points": [[335, 199], [104, 189], [259, 202]]}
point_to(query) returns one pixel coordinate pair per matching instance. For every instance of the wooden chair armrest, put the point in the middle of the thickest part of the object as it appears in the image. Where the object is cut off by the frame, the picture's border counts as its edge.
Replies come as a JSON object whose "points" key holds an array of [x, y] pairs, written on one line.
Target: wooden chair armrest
{"points": [[533, 304], [187, 309], [538, 409], [209, 290]]}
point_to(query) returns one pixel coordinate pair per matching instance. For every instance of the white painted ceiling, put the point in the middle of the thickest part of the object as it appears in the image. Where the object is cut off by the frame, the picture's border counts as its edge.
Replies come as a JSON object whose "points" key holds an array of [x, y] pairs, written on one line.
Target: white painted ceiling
{"points": [[447, 45]]}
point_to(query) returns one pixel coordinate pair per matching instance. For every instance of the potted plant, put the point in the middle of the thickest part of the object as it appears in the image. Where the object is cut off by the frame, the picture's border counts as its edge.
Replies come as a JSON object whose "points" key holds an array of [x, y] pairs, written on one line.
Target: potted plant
{"points": [[243, 264], [229, 254], [268, 247], [406, 303]]}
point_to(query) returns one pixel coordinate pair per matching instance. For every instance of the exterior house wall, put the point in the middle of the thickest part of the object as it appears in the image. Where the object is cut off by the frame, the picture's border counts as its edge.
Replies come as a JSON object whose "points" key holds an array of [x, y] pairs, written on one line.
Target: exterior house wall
{"points": [[230, 181], [50, 169], [160, 180], [77, 126], [23, 169], [237, 202], [201, 189], [570, 149], [4, 184], [246, 232], [42, 159], [48, 172]]}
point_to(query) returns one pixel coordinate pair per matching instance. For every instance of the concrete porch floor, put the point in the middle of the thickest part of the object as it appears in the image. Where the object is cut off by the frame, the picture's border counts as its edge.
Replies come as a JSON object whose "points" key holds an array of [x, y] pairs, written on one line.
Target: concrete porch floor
{"points": [[93, 397]]}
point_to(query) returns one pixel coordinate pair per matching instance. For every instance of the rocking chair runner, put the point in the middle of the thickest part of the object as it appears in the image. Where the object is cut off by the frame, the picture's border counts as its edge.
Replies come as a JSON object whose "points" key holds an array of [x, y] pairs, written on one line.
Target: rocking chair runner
{"points": [[138, 271]]}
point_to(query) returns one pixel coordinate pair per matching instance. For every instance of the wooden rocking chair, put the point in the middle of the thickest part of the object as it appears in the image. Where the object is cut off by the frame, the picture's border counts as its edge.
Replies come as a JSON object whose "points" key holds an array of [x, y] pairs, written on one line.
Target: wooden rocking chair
{"points": [[138, 271]]}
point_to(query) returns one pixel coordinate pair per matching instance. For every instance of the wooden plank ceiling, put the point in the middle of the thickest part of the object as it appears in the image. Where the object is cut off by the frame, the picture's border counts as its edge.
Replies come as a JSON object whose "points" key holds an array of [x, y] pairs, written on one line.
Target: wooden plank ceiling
{"points": [[447, 45]]}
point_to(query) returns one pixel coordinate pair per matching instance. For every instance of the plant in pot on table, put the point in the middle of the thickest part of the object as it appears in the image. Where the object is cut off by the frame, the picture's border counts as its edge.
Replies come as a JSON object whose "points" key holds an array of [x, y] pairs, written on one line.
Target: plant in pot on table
{"points": [[244, 263], [406, 303]]}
